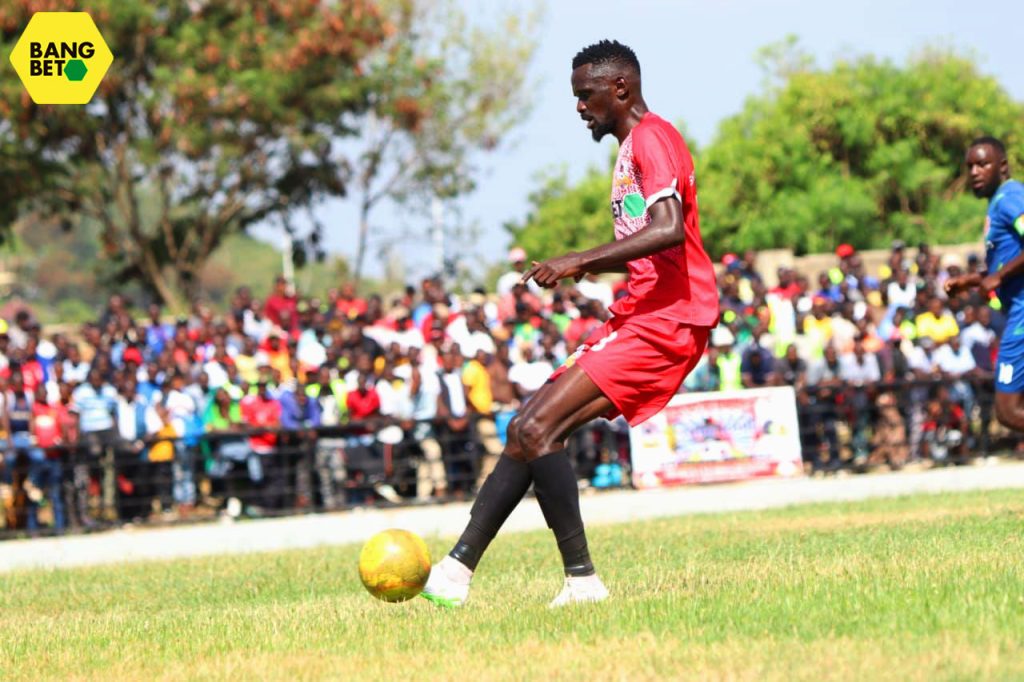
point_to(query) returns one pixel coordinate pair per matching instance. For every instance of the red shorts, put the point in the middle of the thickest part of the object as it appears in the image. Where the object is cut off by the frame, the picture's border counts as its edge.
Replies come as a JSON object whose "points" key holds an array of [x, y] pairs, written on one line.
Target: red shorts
{"points": [[639, 362]]}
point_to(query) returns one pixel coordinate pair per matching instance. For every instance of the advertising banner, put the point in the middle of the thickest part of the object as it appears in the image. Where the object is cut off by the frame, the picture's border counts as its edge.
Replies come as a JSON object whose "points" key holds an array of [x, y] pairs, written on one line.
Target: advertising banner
{"points": [[723, 436]]}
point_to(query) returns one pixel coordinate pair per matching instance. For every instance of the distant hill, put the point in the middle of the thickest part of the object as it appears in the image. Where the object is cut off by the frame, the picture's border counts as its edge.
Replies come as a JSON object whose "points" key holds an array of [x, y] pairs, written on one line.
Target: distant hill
{"points": [[62, 276]]}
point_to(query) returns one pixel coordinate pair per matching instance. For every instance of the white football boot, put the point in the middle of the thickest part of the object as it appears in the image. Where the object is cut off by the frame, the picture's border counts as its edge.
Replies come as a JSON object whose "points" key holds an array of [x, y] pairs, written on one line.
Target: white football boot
{"points": [[580, 590], [448, 584]]}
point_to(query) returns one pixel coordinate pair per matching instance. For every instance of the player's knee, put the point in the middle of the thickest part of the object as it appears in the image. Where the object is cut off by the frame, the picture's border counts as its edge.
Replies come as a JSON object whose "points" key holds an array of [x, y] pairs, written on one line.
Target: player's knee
{"points": [[1006, 416], [533, 437], [512, 446]]}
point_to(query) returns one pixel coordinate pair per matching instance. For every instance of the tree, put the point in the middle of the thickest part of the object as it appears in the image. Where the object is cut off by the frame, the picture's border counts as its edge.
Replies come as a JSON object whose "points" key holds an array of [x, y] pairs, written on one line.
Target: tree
{"points": [[447, 90], [214, 116], [566, 217], [864, 153]]}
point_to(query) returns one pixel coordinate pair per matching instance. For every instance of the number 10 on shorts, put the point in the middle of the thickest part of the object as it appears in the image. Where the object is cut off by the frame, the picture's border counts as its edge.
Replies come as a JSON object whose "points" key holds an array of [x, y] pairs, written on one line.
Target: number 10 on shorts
{"points": [[1005, 373]]}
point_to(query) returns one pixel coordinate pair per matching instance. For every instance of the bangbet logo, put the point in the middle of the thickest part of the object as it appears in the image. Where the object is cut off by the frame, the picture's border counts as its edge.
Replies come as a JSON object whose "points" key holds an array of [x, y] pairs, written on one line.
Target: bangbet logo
{"points": [[61, 58]]}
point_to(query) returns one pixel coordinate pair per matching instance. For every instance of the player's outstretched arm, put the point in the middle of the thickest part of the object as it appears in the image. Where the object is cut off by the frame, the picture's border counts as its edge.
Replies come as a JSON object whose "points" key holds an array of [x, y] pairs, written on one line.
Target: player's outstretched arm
{"points": [[954, 285], [1015, 268], [665, 230]]}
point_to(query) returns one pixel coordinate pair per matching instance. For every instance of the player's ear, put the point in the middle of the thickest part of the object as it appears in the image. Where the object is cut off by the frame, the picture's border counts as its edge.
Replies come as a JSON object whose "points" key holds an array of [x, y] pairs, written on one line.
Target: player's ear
{"points": [[621, 88]]}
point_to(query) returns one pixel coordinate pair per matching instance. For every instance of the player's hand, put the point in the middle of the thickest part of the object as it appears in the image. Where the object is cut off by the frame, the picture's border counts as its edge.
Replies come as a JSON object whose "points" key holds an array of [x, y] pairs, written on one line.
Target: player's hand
{"points": [[954, 285], [548, 273], [991, 282]]}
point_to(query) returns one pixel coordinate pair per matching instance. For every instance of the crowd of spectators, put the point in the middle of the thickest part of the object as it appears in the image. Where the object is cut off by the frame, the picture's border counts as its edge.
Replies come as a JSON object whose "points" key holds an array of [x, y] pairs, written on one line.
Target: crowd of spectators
{"points": [[888, 371], [298, 401]]}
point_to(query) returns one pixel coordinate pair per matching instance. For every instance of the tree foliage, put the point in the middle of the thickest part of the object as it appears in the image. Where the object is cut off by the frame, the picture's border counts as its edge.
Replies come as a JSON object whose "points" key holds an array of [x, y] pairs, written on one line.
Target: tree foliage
{"points": [[214, 116], [566, 217], [864, 152]]}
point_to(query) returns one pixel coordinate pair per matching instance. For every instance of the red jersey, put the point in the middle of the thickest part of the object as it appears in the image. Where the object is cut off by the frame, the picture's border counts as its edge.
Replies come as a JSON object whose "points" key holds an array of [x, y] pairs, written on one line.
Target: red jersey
{"points": [[261, 413], [48, 420], [677, 284]]}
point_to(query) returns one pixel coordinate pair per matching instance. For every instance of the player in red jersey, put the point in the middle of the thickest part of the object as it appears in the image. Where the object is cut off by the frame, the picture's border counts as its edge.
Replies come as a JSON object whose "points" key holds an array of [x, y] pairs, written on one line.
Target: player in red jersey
{"points": [[635, 362]]}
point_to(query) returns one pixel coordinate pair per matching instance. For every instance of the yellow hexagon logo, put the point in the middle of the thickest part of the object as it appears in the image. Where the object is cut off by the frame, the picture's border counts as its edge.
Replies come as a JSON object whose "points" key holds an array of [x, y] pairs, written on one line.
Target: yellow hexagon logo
{"points": [[61, 58]]}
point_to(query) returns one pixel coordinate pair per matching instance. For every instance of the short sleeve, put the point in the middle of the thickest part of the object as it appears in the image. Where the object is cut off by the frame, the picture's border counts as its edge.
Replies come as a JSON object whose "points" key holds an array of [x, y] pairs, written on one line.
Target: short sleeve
{"points": [[1012, 209], [658, 161]]}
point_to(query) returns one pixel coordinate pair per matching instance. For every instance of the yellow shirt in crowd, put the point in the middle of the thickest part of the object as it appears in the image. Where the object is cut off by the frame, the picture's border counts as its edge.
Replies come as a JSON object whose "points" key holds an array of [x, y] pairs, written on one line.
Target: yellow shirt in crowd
{"points": [[940, 329], [476, 378]]}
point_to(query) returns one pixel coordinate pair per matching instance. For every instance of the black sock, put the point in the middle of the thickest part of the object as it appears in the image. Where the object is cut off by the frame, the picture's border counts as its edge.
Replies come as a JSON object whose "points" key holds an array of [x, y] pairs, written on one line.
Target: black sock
{"points": [[554, 483], [498, 496]]}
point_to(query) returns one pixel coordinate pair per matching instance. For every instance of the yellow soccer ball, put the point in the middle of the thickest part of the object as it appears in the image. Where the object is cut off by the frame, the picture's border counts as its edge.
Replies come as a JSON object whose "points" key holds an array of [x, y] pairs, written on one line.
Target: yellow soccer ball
{"points": [[394, 565]]}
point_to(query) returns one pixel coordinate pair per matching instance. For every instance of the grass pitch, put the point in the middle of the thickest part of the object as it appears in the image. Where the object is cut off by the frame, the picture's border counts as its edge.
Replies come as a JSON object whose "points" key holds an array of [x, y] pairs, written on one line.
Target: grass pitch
{"points": [[925, 587]]}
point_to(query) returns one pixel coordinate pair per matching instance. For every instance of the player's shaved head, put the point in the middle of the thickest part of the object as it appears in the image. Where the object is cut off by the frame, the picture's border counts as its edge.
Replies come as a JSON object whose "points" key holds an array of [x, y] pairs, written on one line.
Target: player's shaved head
{"points": [[608, 53], [994, 142]]}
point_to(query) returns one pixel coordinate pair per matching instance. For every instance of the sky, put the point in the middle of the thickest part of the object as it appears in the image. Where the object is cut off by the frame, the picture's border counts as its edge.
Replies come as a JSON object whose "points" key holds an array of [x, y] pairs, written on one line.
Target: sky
{"points": [[698, 63]]}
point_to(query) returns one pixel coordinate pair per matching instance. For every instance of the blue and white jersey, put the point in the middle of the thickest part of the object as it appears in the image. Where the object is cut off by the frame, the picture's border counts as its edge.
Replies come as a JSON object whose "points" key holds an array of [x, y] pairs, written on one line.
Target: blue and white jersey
{"points": [[1004, 239]]}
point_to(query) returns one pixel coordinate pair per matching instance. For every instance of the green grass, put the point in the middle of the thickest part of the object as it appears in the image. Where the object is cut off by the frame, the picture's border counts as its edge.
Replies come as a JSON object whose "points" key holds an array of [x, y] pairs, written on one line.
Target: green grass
{"points": [[925, 587]]}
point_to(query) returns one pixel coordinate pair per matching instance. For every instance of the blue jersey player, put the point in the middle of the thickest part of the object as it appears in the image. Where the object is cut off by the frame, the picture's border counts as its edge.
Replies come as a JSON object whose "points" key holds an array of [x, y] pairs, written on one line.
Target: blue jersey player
{"points": [[989, 174]]}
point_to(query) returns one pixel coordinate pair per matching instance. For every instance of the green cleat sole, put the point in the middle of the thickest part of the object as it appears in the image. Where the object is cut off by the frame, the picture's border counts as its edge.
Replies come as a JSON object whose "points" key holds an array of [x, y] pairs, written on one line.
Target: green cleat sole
{"points": [[443, 602]]}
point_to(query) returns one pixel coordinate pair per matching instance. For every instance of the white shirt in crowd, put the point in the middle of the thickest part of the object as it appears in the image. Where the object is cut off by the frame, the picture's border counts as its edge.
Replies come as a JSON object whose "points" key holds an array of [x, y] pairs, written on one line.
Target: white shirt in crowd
{"points": [[860, 371], [456, 393], [75, 374], [976, 332], [597, 291], [901, 296], [955, 363], [530, 375]]}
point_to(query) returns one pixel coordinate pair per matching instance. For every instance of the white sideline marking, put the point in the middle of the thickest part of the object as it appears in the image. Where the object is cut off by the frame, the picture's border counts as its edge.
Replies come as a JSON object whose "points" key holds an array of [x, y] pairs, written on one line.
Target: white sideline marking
{"points": [[448, 520]]}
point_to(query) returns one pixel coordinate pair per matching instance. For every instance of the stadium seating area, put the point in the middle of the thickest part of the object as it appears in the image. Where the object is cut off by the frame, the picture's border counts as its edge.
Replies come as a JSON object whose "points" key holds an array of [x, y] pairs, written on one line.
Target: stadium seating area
{"points": [[300, 402]]}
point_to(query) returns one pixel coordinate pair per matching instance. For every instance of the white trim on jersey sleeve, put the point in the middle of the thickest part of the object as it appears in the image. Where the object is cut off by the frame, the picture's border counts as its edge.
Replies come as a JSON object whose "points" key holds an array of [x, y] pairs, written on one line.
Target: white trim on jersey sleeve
{"points": [[669, 191]]}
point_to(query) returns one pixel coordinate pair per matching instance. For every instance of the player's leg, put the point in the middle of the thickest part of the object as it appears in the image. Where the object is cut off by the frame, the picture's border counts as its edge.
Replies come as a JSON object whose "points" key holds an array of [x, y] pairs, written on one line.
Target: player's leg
{"points": [[505, 487], [1010, 410], [1009, 405], [573, 401]]}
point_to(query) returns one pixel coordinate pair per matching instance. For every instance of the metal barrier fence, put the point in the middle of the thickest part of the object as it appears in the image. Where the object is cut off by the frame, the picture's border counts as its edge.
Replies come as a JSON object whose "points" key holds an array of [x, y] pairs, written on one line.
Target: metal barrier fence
{"points": [[104, 482], [938, 421]]}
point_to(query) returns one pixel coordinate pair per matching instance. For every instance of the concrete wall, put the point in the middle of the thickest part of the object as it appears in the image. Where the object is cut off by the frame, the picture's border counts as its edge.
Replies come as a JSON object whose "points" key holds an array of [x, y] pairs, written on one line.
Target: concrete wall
{"points": [[770, 260]]}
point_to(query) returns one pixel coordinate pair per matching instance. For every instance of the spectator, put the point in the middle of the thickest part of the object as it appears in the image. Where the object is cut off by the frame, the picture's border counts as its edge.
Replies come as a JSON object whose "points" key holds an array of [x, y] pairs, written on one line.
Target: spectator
{"points": [[95, 402], [51, 434], [262, 414], [347, 304], [937, 323], [900, 292], [330, 393], [729, 362], [454, 427], [705, 376], [944, 428], [530, 373], [824, 386], [591, 287], [281, 305], [132, 429], [75, 369], [860, 371], [517, 259], [756, 367], [791, 370], [300, 417], [889, 436], [480, 400], [230, 451]]}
